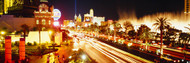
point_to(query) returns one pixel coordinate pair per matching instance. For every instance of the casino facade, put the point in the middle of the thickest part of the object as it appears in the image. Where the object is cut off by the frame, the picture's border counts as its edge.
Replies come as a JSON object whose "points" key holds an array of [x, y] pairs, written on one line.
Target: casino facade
{"points": [[44, 16]]}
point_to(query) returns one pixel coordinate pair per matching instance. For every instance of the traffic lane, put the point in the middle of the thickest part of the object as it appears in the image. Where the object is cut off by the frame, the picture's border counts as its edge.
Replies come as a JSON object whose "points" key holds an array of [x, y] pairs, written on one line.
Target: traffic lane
{"points": [[120, 53], [98, 56]]}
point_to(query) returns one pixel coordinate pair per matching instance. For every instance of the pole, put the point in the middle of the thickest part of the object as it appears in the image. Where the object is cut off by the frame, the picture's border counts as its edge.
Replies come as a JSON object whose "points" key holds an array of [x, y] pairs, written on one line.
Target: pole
{"points": [[39, 34], [161, 37], [22, 49], [8, 55]]}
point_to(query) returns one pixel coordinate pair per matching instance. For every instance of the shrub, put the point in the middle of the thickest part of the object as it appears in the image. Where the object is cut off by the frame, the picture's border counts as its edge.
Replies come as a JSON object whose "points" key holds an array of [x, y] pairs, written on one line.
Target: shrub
{"points": [[35, 43], [29, 44], [12, 45], [16, 43]]}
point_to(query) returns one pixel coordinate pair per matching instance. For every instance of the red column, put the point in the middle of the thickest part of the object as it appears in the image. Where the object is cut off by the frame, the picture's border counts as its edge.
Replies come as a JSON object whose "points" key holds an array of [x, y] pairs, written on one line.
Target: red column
{"points": [[8, 57], [22, 49]]}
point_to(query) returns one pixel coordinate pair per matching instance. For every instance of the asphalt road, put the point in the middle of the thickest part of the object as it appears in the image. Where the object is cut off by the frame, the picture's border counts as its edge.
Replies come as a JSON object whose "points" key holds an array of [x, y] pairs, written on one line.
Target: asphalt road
{"points": [[104, 53]]}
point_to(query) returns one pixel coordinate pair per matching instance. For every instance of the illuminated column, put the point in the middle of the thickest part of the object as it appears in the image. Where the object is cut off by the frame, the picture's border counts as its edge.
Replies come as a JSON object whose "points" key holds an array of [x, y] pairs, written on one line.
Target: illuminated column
{"points": [[22, 49], [8, 57], [91, 12]]}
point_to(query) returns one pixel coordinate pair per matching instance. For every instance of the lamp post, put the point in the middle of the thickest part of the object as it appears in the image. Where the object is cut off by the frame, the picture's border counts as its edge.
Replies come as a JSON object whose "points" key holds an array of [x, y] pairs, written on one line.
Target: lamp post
{"points": [[40, 27], [2, 35], [50, 33]]}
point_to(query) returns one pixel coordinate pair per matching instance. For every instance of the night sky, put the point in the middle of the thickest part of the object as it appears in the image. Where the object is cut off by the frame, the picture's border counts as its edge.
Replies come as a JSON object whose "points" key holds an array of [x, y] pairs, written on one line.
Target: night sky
{"points": [[110, 8]]}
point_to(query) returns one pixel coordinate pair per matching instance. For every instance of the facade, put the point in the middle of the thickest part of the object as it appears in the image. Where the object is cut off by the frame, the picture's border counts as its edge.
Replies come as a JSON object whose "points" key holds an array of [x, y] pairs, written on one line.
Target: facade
{"points": [[14, 23], [103, 23], [88, 17], [1, 7], [67, 22], [44, 16], [93, 19], [20, 8], [98, 20], [187, 6], [78, 18], [9, 3], [33, 36]]}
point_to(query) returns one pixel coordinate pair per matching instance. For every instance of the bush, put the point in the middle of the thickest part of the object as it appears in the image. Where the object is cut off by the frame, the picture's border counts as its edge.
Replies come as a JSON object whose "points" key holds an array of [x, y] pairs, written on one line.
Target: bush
{"points": [[29, 44], [12, 45], [3, 44], [35, 43], [16, 43]]}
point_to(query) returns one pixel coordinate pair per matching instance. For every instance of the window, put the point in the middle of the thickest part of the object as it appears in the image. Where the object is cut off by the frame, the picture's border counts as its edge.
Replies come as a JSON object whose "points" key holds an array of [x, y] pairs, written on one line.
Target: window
{"points": [[49, 22], [37, 21], [43, 21]]}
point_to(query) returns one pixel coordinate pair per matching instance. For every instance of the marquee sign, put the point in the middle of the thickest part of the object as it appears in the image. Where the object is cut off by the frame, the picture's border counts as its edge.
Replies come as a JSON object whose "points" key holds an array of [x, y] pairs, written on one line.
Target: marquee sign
{"points": [[56, 14]]}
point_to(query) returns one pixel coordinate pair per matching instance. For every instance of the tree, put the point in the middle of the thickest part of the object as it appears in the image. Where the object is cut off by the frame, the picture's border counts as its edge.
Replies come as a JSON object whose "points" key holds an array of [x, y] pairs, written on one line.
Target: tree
{"points": [[25, 29], [161, 23], [132, 33], [185, 37], [117, 27], [128, 26], [145, 36]]}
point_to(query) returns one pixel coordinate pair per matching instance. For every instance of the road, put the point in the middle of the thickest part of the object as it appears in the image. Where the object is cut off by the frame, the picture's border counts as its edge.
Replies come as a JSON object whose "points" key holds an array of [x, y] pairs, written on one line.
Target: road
{"points": [[102, 52], [167, 51]]}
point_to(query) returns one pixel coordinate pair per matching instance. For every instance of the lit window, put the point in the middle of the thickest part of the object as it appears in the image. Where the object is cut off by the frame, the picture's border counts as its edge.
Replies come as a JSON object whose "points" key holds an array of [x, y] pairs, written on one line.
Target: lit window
{"points": [[37, 21], [43, 21], [49, 22]]}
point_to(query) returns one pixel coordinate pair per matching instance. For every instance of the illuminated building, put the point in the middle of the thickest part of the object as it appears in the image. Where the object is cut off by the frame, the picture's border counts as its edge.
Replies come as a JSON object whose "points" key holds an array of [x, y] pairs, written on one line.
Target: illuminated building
{"points": [[78, 18], [187, 6], [93, 19], [98, 20], [44, 15], [1, 7], [33, 37], [88, 17], [20, 8], [67, 22], [103, 23], [9, 3], [13, 23]]}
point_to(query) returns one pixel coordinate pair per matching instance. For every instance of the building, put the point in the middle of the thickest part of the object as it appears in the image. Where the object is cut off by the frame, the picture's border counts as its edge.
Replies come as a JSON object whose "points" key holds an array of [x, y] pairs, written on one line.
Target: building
{"points": [[98, 20], [92, 19], [1, 7], [88, 17], [9, 3], [109, 22], [43, 16], [78, 18], [187, 6], [33, 36], [21, 8], [14, 23], [67, 22]]}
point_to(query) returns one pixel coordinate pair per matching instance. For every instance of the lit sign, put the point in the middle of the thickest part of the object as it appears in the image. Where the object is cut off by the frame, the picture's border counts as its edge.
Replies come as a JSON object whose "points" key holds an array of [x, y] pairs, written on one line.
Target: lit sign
{"points": [[56, 23], [56, 14]]}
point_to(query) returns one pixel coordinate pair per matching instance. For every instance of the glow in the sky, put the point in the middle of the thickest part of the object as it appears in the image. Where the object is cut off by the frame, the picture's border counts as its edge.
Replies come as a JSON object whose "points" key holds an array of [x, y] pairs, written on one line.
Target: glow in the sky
{"points": [[177, 20]]}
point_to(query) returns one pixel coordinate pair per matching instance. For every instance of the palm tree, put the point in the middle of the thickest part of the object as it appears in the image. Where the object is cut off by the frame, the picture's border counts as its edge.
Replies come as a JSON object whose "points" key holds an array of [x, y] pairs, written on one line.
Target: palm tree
{"points": [[25, 28], [161, 23], [108, 30], [128, 26], [117, 27], [146, 35]]}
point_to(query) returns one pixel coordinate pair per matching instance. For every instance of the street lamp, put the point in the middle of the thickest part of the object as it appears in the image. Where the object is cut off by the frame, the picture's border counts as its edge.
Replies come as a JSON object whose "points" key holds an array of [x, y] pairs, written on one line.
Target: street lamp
{"points": [[2, 32], [50, 32], [83, 57]]}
